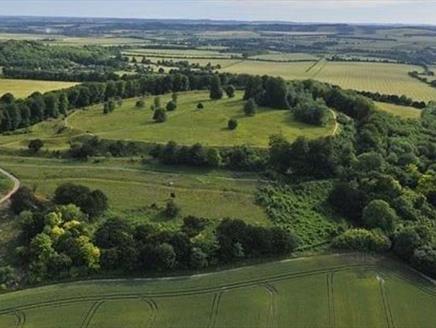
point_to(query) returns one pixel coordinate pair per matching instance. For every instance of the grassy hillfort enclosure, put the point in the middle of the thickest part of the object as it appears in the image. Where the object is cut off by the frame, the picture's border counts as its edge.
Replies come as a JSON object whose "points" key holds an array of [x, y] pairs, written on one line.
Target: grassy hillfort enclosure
{"points": [[200, 173]]}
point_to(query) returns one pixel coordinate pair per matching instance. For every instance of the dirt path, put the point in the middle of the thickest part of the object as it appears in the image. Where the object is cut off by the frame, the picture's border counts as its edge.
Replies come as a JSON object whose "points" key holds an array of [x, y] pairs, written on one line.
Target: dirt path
{"points": [[336, 122], [14, 189]]}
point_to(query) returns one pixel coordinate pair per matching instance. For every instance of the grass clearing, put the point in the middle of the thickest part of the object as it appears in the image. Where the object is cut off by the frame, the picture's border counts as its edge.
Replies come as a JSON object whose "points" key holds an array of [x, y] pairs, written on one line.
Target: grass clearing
{"points": [[24, 88], [342, 291], [132, 188], [401, 111], [188, 125]]}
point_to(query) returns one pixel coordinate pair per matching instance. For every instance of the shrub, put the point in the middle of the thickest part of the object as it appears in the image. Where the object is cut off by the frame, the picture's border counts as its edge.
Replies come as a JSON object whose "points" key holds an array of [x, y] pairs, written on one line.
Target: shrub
{"points": [[140, 103], [379, 214], [171, 209], [171, 105], [362, 240], [159, 115], [200, 106], [35, 145], [250, 107], [232, 124]]}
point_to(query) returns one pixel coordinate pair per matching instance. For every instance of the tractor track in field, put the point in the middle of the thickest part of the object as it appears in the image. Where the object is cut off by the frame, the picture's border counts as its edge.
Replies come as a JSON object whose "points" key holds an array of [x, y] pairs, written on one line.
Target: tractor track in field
{"points": [[90, 314], [386, 304], [182, 292], [154, 310], [273, 292], [211, 290], [214, 309], [21, 318], [331, 299]]}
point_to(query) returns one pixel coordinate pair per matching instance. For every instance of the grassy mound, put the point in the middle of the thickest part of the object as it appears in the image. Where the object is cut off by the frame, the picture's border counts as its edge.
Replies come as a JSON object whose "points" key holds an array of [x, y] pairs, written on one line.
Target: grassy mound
{"points": [[189, 125]]}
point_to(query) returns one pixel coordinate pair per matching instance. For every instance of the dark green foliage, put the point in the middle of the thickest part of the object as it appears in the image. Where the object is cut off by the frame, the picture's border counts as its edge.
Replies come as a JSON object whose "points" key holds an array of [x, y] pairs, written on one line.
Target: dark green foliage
{"points": [[216, 92], [171, 209], [35, 145], [159, 115], [312, 112], [230, 91], [171, 106], [140, 104], [93, 203], [378, 214], [250, 107], [424, 259], [200, 106], [362, 240], [192, 225], [24, 200], [232, 124]]}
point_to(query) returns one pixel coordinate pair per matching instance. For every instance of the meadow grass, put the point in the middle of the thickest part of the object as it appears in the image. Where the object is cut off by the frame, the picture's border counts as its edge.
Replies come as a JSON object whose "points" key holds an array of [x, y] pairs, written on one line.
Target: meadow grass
{"points": [[401, 111], [342, 291], [132, 188], [189, 125], [24, 88]]}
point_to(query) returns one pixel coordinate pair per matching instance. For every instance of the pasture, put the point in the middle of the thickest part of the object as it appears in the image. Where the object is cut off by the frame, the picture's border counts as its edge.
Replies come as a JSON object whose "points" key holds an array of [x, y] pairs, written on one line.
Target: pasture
{"points": [[140, 191], [324, 291], [24, 88], [189, 125], [5, 185]]}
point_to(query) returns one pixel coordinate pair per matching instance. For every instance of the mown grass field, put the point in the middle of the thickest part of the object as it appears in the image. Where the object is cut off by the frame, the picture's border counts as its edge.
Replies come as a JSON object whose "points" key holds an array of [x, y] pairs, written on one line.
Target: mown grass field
{"points": [[132, 188], [324, 291], [401, 111], [24, 88], [189, 125]]}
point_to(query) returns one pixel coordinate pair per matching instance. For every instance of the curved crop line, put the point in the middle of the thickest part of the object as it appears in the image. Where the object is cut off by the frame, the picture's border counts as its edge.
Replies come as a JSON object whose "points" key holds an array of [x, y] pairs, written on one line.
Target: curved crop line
{"points": [[154, 309], [91, 312], [21, 318], [386, 305], [182, 292]]}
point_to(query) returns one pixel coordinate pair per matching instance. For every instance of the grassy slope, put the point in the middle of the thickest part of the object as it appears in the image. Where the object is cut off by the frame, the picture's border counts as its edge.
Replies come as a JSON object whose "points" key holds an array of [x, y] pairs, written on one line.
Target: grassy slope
{"points": [[132, 187], [341, 291], [24, 88], [188, 125], [401, 111], [5, 184]]}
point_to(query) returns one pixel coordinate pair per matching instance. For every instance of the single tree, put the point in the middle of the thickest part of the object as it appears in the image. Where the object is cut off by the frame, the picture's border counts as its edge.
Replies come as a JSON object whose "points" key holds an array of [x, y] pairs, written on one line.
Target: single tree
{"points": [[171, 105], [35, 145], [250, 107], [159, 115], [232, 124], [216, 92], [230, 91], [200, 106]]}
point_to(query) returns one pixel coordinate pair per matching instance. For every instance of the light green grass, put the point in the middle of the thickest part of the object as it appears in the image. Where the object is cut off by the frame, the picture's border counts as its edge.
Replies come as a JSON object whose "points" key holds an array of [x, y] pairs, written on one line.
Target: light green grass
{"points": [[401, 111], [280, 56], [189, 53], [188, 125], [132, 188], [24, 88], [324, 291], [5, 184]]}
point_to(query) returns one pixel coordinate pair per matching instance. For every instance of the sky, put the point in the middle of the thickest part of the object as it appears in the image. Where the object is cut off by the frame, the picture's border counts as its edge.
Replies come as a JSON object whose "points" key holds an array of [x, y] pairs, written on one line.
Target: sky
{"points": [[329, 11]]}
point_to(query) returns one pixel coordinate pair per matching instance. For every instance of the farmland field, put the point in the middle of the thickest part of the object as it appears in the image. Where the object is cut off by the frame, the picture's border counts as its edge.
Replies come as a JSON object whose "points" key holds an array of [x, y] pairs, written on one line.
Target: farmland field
{"points": [[386, 78], [133, 188], [24, 88], [188, 125], [401, 111], [324, 291]]}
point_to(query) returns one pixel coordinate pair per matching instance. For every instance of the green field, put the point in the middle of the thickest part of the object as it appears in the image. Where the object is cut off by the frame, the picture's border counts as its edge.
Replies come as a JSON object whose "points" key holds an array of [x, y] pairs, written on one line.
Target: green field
{"points": [[24, 88], [386, 78], [132, 188], [324, 291], [401, 111], [188, 125]]}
